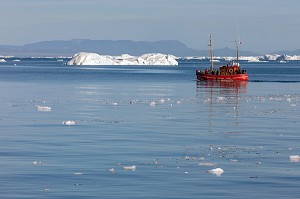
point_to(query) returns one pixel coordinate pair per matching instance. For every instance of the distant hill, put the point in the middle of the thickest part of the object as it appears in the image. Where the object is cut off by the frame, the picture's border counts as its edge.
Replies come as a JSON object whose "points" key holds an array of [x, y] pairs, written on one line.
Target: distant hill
{"points": [[111, 47]]}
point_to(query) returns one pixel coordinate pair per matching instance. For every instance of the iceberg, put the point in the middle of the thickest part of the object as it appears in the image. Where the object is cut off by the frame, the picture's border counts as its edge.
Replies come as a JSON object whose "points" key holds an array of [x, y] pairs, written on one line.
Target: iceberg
{"points": [[84, 58], [279, 58]]}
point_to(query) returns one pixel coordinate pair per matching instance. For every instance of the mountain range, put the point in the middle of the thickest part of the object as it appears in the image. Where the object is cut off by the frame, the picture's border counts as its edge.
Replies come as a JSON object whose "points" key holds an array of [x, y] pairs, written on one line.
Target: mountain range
{"points": [[114, 47]]}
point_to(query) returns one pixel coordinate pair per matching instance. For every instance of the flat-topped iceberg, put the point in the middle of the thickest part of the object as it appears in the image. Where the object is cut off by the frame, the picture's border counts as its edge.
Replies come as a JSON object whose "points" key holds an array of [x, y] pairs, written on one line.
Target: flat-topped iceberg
{"points": [[84, 58]]}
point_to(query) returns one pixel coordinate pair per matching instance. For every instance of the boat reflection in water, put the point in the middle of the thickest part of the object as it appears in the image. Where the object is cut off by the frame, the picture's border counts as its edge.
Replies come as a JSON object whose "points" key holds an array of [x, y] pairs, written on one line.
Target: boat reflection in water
{"points": [[224, 86], [223, 102]]}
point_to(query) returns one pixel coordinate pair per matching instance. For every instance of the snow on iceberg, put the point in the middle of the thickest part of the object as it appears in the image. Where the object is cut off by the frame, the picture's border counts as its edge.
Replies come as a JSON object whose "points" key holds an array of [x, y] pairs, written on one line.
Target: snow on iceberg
{"points": [[84, 58]]}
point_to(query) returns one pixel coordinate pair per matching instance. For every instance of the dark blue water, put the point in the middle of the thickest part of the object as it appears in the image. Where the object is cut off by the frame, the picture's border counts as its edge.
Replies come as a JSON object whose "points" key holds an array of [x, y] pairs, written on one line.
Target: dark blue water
{"points": [[158, 119]]}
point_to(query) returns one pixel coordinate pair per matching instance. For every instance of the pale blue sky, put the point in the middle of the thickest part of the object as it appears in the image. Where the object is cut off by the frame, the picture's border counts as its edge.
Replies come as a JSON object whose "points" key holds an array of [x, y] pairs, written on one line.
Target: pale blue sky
{"points": [[263, 25]]}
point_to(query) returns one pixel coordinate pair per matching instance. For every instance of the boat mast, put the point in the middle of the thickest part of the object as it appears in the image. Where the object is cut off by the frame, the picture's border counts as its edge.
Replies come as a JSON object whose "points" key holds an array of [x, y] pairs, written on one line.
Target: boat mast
{"points": [[237, 52], [211, 54]]}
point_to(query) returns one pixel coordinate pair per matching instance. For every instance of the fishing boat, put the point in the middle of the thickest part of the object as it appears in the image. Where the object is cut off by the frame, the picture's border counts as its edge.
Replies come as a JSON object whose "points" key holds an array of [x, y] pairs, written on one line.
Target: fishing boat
{"points": [[231, 71]]}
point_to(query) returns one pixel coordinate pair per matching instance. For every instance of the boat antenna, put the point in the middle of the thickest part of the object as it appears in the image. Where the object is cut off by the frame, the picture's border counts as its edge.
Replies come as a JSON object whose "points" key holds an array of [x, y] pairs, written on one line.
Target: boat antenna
{"points": [[211, 53], [237, 52]]}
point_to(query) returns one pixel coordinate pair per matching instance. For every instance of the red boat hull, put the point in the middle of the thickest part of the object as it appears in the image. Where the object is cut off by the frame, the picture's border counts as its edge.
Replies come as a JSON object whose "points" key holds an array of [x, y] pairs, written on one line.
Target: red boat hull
{"points": [[237, 77]]}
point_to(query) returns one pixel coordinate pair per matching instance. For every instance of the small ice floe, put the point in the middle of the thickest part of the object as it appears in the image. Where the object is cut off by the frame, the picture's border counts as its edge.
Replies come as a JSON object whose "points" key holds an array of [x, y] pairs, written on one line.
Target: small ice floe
{"points": [[36, 162], [216, 171], [77, 184], [186, 157], [112, 171], [77, 173], [43, 108], [162, 101], [114, 103], [220, 99], [69, 122], [132, 102], [207, 164], [46, 190], [132, 168], [189, 157], [156, 162], [294, 158], [152, 103]]}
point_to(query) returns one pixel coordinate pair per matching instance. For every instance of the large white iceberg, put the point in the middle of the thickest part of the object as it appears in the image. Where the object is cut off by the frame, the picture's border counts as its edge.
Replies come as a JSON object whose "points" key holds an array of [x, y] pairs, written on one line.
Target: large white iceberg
{"points": [[84, 58]]}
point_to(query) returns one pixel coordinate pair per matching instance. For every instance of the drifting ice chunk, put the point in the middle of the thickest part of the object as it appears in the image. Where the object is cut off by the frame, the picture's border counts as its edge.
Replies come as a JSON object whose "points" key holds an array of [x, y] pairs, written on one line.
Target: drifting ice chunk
{"points": [[152, 103], [36, 162], [217, 171], [69, 122], [295, 158], [221, 99], [77, 173], [132, 168], [43, 108], [112, 170], [207, 164]]}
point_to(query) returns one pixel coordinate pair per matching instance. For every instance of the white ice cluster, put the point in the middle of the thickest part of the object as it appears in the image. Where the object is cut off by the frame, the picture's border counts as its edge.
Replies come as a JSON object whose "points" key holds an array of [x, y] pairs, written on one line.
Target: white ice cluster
{"points": [[84, 58], [277, 57], [266, 58]]}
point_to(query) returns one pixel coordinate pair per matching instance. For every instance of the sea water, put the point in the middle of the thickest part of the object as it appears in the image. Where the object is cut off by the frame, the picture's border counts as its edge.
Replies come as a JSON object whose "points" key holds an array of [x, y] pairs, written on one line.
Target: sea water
{"points": [[78, 132]]}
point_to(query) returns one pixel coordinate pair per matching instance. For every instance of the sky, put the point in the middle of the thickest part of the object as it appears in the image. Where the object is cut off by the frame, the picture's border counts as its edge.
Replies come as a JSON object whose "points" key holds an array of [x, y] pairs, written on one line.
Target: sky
{"points": [[261, 25]]}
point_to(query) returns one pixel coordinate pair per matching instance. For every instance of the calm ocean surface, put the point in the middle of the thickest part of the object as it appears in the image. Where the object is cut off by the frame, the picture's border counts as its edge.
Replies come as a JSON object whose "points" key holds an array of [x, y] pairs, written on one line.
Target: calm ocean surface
{"points": [[147, 132]]}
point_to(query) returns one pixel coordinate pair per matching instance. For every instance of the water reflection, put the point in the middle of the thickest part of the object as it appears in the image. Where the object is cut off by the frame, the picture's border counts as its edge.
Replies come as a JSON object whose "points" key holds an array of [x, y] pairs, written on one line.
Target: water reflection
{"points": [[230, 87], [222, 99]]}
